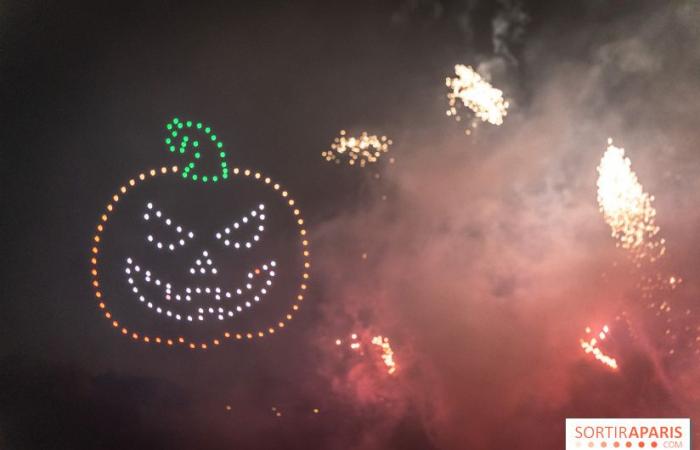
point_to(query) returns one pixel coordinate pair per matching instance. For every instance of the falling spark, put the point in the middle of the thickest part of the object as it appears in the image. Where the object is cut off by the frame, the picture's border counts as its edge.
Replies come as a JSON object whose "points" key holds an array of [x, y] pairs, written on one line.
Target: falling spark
{"points": [[387, 352], [357, 150], [470, 90], [627, 208], [591, 346]]}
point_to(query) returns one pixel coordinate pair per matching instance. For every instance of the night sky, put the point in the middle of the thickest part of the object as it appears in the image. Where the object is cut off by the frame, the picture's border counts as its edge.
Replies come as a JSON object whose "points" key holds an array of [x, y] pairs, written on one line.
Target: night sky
{"points": [[481, 257]]}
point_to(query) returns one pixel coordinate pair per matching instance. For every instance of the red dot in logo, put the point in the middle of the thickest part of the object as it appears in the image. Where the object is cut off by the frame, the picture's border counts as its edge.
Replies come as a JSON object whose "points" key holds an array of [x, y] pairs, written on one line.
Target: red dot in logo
{"points": [[628, 444], [641, 444], [590, 444], [653, 444], [603, 444], [616, 444]]}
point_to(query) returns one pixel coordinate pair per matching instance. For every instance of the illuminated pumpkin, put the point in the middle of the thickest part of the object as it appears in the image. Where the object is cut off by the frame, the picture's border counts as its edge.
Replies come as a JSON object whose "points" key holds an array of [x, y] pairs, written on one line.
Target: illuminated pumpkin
{"points": [[185, 258]]}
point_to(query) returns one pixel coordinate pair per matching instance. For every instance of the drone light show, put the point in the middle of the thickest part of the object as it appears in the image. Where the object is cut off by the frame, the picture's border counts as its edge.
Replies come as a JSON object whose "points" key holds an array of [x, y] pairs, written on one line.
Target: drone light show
{"points": [[405, 225], [192, 296]]}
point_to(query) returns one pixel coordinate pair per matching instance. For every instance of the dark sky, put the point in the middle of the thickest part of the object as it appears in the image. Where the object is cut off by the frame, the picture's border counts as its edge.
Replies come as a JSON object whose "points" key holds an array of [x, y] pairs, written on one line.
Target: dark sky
{"points": [[485, 255]]}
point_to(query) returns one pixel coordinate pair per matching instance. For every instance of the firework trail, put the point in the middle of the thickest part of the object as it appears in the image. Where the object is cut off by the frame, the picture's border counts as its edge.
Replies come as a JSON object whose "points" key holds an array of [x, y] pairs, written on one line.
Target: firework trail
{"points": [[468, 89], [362, 150], [387, 353], [591, 346], [627, 208], [382, 343]]}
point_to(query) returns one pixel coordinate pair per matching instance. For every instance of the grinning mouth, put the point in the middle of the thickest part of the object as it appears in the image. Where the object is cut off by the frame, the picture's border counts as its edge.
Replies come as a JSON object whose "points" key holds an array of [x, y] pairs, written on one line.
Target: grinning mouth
{"points": [[221, 304]]}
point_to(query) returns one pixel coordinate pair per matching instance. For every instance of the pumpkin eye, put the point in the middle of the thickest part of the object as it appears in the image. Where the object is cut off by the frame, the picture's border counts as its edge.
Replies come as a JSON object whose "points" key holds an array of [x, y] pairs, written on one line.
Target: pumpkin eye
{"points": [[153, 214], [255, 219]]}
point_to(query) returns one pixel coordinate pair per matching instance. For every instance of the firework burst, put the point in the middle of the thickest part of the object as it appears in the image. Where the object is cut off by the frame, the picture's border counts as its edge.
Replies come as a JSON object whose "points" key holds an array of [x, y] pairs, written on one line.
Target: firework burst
{"points": [[362, 150], [468, 89], [627, 208]]}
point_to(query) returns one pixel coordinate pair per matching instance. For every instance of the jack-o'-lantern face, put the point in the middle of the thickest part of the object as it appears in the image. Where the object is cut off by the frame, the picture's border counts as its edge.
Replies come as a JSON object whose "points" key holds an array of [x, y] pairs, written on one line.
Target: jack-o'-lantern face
{"points": [[181, 258]]}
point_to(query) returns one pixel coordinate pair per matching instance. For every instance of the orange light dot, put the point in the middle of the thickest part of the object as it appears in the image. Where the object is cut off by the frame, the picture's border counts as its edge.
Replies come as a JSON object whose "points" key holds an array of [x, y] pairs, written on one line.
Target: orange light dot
{"points": [[246, 172], [192, 346], [101, 305], [170, 342], [115, 198], [135, 335], [153, 172], [123, 189], [95, 283], [249, 336], [216, 342], [93, 272], [95, 250], [146, 339], [158, 340], [142, 176], [163, 169], [280, 324], [238, 336], [181, 340], [98, 294], [174, 169], [100, 227], [108, 315], [227, 334], [204, 346], [115, 324], [132, 182]]}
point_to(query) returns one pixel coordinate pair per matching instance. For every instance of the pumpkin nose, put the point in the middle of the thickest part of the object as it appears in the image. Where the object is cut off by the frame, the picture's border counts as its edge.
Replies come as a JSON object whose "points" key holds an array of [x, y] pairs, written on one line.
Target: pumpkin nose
{"points": [[203, 265]]}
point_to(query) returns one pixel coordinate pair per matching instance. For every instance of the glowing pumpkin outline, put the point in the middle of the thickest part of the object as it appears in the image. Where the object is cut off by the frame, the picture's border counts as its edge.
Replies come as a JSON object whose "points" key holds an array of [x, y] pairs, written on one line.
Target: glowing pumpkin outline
{"points": [[172, 341]]}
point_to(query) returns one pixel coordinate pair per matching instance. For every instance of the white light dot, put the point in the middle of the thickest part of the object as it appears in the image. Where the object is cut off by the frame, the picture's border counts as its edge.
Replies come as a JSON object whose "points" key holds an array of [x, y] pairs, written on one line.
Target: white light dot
{"points": [[158, 214], [218, 235], [146, 216], [214, 271], [192, 270], [149, 205], [168, 222], [261, 207]]}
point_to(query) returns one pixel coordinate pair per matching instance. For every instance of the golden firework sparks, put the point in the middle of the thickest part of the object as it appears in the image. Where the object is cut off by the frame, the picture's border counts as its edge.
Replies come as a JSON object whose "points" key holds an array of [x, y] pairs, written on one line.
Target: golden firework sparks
{"points": [[591, 346], [357, 150], [468, 89], [627, 208], [387, 352]]}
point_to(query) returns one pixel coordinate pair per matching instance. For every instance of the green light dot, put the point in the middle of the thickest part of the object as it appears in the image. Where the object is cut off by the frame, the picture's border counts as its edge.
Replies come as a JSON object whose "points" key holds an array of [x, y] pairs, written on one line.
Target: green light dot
{"points": [[223, 164], [199, 125], [207, 130], [169, 126], [205, 179], [222, 154], [184, 174], [224, 176], [214, 178], [197, 155], [172, 148], [185, 138], [179, 125], [182, 150], [196, 143], [194, 177], [219, 144], [213, 137], [189, 123], [168, 140], [191, 165], [176, 120]]}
